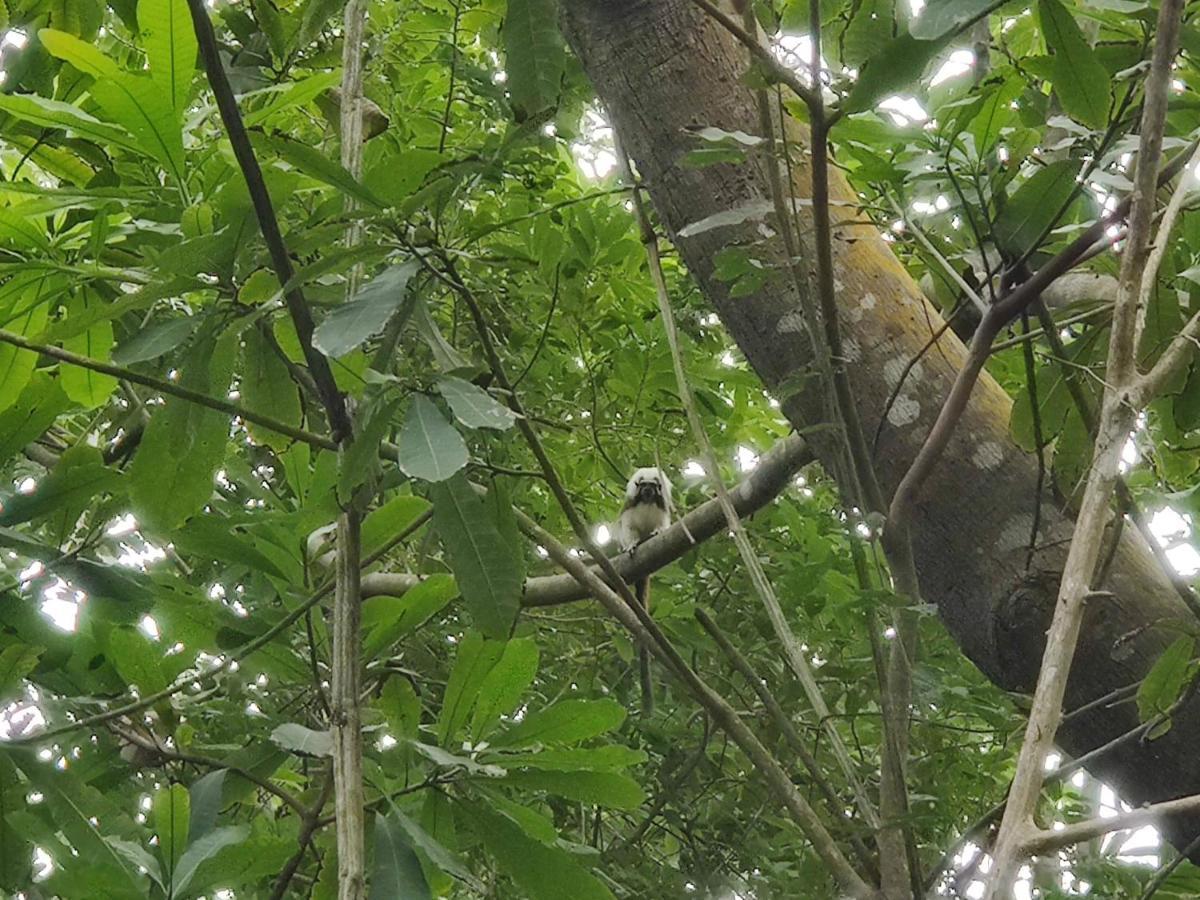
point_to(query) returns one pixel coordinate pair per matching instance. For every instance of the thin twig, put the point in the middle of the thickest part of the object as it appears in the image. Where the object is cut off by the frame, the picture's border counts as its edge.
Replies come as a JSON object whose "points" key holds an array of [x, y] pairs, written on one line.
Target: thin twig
{"points": [[169, 388]]}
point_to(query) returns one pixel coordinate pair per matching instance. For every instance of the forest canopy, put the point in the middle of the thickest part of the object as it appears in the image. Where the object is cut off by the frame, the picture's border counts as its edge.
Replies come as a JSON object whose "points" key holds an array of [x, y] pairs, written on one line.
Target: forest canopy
{"points": [[330, 335]]}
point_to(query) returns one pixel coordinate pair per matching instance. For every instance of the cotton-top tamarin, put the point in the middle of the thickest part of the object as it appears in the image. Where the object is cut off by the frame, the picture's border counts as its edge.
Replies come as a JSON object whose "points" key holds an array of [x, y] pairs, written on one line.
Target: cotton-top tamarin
{"points": [[647, 511]]}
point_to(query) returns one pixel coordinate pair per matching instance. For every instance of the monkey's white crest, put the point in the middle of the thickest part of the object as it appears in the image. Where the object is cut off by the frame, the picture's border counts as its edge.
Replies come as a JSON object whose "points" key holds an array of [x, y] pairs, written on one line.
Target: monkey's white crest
{"points": [[647, 506]]}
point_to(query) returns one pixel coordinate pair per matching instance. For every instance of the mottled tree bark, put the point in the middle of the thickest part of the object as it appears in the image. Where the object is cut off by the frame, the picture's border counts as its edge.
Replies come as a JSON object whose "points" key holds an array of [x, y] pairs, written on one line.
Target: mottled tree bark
{"points": [[660, 67]]}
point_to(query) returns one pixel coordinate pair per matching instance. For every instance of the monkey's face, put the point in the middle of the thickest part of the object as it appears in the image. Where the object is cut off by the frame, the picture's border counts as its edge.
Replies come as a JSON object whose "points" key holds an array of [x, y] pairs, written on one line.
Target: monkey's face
{"points": [[648, 486], [649, 491]]}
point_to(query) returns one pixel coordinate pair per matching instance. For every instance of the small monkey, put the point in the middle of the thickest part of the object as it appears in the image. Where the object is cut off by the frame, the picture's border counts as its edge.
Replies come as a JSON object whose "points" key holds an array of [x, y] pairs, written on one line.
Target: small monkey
{"points": [[647, 511]]}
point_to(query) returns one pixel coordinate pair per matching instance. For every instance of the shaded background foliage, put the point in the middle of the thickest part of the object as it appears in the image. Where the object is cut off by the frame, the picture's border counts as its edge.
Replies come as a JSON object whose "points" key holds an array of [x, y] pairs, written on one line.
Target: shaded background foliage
{"points": [[147, 538]]}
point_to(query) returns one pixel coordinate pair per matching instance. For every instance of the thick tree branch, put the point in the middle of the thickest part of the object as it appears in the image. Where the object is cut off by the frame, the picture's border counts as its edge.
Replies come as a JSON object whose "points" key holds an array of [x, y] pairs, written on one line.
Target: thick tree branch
{"points": [[767, 481]]}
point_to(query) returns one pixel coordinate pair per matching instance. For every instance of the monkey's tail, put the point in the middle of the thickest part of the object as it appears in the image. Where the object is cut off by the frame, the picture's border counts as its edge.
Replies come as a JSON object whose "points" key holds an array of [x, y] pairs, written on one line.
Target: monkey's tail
{"points": [[642, 589]]}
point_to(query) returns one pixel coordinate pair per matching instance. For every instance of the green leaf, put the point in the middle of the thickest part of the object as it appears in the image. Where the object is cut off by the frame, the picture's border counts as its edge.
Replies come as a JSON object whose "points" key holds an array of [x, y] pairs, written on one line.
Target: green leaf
{"points": [[609, 758], [16, 661], [86, 387], [475, 659], [945, 18], [389, 520], [137, 659], [397, 870], [1080, 79], [171, 808], [534, 58], [505, 683], [430, 447], [401, 708], [995, 113], [170, 41], [360, 462], [894, 67], [366, 313], [35, 411], [543, 872], [79, 476], [447, 358], [1166, 680], [214, 537], [288, 96], [314, 163], [484, 562], [55, 114], [26, 316], [566, 722], [473, 406], [135, 102], [386, 620], [155, 340], [609, 789], [205, 802], [78, 808], [433, 849], [298, 738], [1032, 208], [184, 443], [203, 849], [266, 386]]}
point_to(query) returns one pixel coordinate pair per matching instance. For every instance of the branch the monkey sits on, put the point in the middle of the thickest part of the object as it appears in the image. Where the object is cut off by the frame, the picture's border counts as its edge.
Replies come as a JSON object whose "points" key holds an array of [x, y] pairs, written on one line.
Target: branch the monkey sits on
{"points": [[646, 512]]}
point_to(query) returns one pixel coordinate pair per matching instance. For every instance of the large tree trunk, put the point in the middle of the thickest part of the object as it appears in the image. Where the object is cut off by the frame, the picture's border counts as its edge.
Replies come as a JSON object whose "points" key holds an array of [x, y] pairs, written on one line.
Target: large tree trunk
{"points": [[659, 67]]}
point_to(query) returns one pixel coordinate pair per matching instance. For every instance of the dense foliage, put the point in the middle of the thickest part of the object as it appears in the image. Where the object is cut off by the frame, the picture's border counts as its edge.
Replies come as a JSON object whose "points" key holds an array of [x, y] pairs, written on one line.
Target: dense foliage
{"points": [[161, 556]]}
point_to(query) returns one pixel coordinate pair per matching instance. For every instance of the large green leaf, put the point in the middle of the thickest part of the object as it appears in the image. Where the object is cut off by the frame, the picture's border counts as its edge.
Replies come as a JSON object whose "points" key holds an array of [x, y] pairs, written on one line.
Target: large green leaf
{"points": [[543, 872], [199, 851], [79, 476], [475, 659], [56, 114], [610, 789], [1030, 211], [24, 309], [473, 406], [943, 18], [136, 102], [397, 870], [16, 661], [504, 685], [88, 388], [566, 722], [433, 849], [205, 802], [303, 740], [364, 314], [382, 524], [267, 387], [386, 620], [895, 66], [35, 410], [534, 58], [1080, 79], [1166, 680], [430, 447], [170, 41], [155, 340], [137, 659], [172, 473], [485, 562], [171, 807]]}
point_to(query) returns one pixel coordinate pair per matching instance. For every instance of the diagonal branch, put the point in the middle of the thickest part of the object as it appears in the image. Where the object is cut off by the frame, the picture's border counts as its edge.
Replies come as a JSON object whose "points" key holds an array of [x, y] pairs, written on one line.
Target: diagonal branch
{"points": [[260, 197], [170, 388], [768, 480]]}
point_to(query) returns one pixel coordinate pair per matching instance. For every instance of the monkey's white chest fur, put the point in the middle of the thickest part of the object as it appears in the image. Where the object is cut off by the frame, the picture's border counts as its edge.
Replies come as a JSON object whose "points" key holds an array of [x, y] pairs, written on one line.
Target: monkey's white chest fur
{"points": [[639, 522]]}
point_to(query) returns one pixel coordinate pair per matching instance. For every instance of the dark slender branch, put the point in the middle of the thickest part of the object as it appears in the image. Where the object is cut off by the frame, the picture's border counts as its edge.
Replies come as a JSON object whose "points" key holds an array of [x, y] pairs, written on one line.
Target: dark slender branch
{"points": [[169, 388], [157, 747], [260, 197]]}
